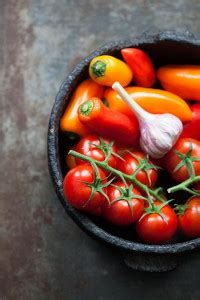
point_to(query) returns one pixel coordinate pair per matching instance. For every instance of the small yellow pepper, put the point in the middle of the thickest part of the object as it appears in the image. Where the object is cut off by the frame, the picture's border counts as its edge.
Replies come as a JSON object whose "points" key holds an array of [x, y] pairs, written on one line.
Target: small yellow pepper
{"points": [[107, 69]]}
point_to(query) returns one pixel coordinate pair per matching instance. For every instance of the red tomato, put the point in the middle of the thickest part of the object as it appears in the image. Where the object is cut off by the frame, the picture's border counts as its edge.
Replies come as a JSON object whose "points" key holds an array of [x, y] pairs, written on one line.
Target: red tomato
{"points": [[129, 165], [172, 159], [77, 191], [189, 218], [125, 211], [191, 130], [155, 229], [87, 146]]}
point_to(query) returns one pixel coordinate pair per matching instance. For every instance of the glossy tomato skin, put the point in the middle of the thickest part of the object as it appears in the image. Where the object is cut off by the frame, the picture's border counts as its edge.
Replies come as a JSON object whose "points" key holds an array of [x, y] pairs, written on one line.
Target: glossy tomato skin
{"points": [[191, 129], [189, 222], [171, 159], [129, 164], [119, 213], [87, 147], [153, 229], [77, 192]]}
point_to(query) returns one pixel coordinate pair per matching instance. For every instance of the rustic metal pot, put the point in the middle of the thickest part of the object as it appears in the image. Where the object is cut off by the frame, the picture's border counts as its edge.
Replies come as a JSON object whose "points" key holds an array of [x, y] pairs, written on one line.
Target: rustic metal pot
{"points": [[163, 48]]}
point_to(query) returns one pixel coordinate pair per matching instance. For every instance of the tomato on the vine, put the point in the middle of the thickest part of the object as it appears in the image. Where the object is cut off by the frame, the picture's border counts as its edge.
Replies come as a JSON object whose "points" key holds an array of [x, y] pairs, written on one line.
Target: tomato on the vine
{"points": [[183, 159], [132, 161], [189, 217], [97, 148], [158, 225], [126, 204], [84, 189]]}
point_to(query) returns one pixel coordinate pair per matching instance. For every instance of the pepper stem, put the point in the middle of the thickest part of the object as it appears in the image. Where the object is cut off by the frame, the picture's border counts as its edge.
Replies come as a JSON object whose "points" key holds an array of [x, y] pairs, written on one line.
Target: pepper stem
{"points": [[98, 68], [86, 108]]}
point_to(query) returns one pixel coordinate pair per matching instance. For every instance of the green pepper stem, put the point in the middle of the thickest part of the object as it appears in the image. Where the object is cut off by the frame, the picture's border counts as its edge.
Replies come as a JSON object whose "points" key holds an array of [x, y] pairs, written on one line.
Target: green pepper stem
{"points": [[105, 166], [99, 68], [86, 108]]}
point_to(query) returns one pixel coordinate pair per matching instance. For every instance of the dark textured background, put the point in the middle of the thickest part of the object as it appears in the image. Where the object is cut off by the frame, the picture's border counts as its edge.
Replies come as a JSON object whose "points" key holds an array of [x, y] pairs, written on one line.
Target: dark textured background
{"points": [[43, 254]]}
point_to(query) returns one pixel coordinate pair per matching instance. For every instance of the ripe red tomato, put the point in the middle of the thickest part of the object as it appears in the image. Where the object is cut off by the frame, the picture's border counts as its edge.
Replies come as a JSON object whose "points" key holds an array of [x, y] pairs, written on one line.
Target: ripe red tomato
{"points": [[77, 191], [125, 211], [188, 147], [147, 176], [89, 147], [155, 229], [191, 129], [189, 218]]}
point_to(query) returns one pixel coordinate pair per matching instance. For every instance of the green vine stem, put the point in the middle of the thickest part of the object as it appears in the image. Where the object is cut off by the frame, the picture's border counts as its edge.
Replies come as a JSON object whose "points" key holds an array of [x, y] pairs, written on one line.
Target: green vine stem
{"points": [[105, 166], [184, 186]]}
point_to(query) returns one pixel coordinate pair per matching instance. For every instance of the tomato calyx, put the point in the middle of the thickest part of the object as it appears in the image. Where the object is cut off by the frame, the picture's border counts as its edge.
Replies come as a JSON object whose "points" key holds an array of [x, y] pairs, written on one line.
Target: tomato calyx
{"points": [[187, 161], [144, 164], [151, 193], [97, 185], [156, 209], [127, 194], [106, 148], [180, 209]]}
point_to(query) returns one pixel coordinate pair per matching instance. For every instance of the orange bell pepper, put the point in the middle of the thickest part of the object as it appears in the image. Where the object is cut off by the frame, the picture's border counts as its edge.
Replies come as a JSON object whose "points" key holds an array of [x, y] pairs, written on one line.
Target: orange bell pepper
{"points": [[70, 121], [152, 100], [183, 81], [107, 69]]}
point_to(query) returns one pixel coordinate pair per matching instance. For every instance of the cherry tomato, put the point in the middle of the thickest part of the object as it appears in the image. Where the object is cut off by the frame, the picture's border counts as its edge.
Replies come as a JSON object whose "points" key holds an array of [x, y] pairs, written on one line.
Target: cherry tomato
{"points": [[188, 147], [156, 229], [77, 188], [89, 146], [189, 218], [130, 163], [191, 129], [126, 210]]}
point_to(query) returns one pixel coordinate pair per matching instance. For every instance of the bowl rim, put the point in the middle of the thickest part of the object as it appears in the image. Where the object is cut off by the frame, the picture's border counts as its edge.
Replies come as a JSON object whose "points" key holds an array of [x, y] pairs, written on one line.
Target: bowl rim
{"points": [[52, 144]]}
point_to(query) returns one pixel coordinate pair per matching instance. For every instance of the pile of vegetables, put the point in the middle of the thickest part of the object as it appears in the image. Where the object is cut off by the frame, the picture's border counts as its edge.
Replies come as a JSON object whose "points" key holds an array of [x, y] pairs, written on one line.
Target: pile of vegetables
{"points": [[136, 125]]}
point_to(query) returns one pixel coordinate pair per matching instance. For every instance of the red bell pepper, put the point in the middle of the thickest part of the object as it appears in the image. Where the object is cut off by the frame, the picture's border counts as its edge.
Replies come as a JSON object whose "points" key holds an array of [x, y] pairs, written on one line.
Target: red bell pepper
{"points": [[109, 123], [192, 129], [143, 70]]}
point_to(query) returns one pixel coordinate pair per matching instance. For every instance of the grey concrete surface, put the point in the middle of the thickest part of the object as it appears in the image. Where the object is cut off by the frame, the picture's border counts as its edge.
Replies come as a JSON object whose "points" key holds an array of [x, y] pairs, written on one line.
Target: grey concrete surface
{"points": [[43, 254]]}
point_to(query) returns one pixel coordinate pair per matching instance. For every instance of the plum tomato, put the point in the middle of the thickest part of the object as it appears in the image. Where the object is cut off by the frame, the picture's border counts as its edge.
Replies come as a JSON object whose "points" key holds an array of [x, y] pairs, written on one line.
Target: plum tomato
{"points": [[132, 161], [84, 189], [157, 226], [189, 217], [97, 148], [183, 159], [126, 204]]}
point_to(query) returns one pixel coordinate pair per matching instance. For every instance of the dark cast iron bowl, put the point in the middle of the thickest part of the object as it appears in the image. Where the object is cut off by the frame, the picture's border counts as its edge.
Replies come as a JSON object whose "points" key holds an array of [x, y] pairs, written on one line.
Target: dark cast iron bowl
{"points": [[164, 48]]}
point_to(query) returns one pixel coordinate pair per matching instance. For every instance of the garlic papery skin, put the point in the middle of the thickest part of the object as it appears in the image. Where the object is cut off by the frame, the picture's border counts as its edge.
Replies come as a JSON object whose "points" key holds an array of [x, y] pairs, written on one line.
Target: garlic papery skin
{"points": [[158, 132]]}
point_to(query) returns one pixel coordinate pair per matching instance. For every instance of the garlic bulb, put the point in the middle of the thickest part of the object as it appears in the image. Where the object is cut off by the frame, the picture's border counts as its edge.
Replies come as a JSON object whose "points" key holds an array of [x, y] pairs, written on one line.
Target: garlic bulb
{"points": [[158, 132]]}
